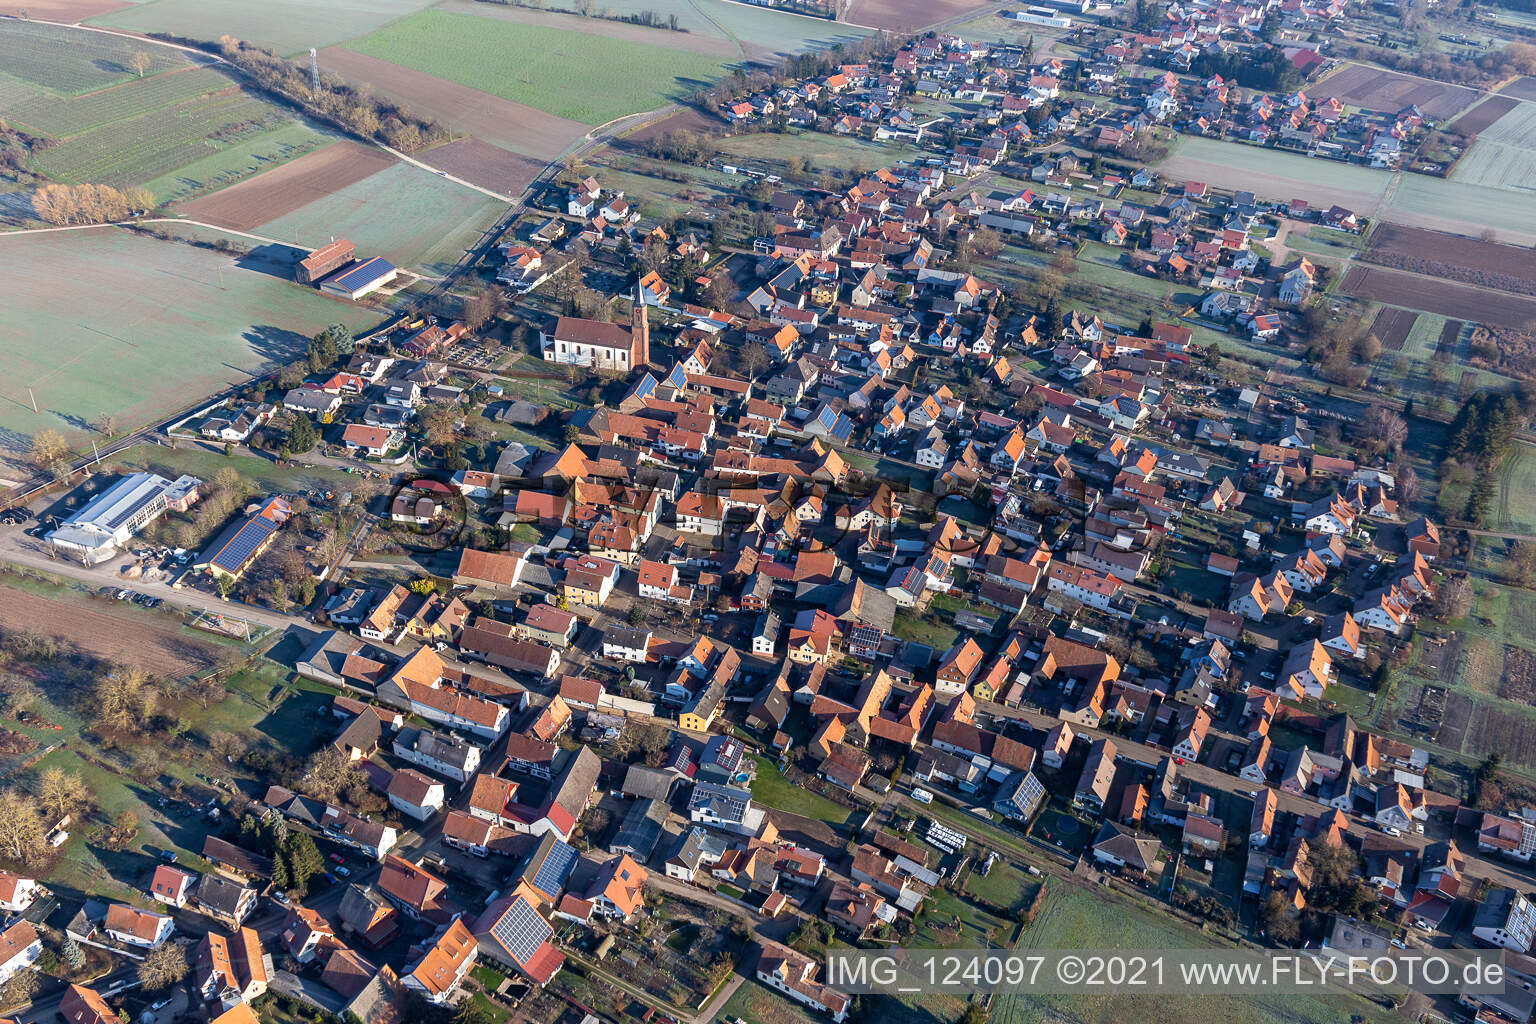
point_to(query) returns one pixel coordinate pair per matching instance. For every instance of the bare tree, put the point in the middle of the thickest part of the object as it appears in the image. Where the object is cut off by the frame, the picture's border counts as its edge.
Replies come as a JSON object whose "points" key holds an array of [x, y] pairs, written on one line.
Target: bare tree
{"points": [[49, 448], [163, 967], [62, 792], [140, 62], [1384, 428], [22, 835], [328, 773]]}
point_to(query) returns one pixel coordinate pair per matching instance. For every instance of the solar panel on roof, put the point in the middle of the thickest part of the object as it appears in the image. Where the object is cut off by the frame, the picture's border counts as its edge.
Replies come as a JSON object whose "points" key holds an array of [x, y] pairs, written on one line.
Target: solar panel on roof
{"points": [[521, 931], [557, 867], [244, 543]]}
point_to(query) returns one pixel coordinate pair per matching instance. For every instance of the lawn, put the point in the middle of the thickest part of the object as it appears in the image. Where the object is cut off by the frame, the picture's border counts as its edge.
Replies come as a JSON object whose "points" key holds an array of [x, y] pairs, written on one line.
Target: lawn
{"points": [[265, 474], [925, 629], [772, 789], [284, 26], [66, 60], [758, 1003], [533, 64], [139, 309], [1007, 885], [410, 216]]}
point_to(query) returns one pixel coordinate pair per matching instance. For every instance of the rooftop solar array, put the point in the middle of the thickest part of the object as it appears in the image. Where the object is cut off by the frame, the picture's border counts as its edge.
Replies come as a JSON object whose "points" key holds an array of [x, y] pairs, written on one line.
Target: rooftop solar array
{"points": [[521, 931], [557, 867]]}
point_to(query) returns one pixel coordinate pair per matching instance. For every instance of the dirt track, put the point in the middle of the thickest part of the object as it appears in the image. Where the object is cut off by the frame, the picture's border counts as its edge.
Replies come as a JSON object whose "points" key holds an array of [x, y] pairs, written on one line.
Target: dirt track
{"points": [[514, 126], [283, 189], [129, 635]]}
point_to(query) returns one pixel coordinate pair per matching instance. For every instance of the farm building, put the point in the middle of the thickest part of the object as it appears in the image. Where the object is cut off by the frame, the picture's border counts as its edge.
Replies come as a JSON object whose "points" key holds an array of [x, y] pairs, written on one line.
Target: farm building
{"points": [[233, 551], [105, 523], [359, 279], [325, 260]]}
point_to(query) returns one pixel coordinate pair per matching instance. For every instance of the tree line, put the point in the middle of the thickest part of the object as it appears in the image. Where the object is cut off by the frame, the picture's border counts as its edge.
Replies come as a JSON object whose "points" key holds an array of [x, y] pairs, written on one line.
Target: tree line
{"points": [[89, 204], [368, 116]]}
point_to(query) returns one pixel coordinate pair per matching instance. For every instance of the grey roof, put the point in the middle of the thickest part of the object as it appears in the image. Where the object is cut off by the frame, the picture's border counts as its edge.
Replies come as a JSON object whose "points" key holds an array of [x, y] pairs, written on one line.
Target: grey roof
{"points": [[648, 783], [640, 830]]}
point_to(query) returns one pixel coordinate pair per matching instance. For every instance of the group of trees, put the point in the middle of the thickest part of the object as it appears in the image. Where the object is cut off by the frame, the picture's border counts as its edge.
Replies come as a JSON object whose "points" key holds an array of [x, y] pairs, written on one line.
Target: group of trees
{"points": [[368, 116], [1343, 349], [89, 204], [295, 857], [1479, 438], [1265, 68]]}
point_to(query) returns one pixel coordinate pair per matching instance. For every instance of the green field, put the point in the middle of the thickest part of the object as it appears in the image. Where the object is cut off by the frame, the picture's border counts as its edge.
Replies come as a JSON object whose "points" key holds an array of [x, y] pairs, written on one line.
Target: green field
{"points": [[1517, 490], [66, 60], [408, 215], [1504, 154], [586, 78], [773, 790], [284, 26], [1077, 918], [114, 322], [757, 30]]}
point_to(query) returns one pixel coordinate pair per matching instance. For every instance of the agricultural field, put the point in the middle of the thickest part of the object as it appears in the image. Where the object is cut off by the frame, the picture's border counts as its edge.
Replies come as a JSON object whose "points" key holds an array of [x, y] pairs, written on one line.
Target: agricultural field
{"points": [[180, 131], [1273, 174], [1392, 326], [1477, 119], [1395, 243], [754, 32], [1520, 89], [284, 189], [284, 26], [1378, 89], [160, 143], [410, 216], [1072, 917], [511, 127], [59, 116], [1448, 298], [141, 307], [1504, 155], [69, 61], [534, 64], [1424, 201], [1517, 490], [905, 15]]}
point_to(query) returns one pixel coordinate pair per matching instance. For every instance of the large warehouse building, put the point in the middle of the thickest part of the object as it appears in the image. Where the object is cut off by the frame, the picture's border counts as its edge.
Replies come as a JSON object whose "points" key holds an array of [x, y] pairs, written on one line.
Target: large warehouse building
{"points": [[106, 522]]}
